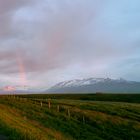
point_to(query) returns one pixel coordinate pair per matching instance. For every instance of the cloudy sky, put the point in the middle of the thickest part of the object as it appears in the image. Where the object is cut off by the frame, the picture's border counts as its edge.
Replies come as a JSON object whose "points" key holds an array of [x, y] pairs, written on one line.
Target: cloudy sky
{"points": [[43, 42]]}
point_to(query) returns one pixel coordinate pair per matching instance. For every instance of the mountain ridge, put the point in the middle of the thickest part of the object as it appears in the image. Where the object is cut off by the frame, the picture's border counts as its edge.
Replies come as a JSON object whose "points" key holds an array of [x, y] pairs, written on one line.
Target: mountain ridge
{"points": [[93, 85]]}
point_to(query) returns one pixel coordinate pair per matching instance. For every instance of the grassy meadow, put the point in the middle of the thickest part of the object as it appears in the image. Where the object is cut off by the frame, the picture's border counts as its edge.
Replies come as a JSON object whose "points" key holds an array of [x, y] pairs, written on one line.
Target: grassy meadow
{"points": [[70, 117]]}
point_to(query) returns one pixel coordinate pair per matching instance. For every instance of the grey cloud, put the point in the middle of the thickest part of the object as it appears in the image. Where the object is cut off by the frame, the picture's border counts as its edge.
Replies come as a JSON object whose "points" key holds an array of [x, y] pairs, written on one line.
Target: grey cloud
{"points": [[54, 40], [56, 36], [52, 37], [7, 10]]}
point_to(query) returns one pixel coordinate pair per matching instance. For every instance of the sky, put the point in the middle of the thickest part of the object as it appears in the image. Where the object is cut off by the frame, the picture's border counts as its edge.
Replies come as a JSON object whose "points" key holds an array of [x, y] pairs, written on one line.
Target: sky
{"points": [[43, 42]]}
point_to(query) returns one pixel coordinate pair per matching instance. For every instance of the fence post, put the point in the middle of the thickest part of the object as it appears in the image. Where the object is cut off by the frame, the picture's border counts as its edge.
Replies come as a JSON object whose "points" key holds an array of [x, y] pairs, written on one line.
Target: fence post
{"points": [[68, 113], [58, 108], [41, 103], [49, 103], [83, 119]]}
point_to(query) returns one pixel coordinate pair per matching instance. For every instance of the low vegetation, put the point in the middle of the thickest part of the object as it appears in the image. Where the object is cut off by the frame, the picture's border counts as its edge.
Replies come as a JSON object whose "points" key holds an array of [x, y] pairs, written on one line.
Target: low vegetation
{"points": [[70, 117]]}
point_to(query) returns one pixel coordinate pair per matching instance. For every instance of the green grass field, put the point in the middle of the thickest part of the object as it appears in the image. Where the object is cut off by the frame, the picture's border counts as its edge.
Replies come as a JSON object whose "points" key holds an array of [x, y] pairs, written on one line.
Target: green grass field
{"points": [[70, 117]]}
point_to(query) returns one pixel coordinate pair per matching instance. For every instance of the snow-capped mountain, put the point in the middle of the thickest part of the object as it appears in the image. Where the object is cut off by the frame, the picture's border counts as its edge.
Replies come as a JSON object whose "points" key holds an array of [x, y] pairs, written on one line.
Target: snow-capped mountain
{"points": [[89, 81], [92, 85]]}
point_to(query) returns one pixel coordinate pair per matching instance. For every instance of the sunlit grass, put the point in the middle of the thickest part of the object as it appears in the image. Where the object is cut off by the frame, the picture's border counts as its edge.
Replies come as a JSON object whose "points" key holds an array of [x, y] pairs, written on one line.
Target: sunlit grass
{"points": [[76, 119]]}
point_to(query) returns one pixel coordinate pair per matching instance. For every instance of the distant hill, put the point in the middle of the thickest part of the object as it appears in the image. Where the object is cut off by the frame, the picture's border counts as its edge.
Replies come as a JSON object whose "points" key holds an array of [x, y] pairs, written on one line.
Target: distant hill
{"points": [[96, 85], [19, 90]]}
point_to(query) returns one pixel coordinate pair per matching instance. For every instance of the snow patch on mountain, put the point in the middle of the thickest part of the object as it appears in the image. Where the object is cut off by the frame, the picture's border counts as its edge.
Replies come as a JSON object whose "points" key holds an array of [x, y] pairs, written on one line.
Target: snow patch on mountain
{"points": [[88, 81]]}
